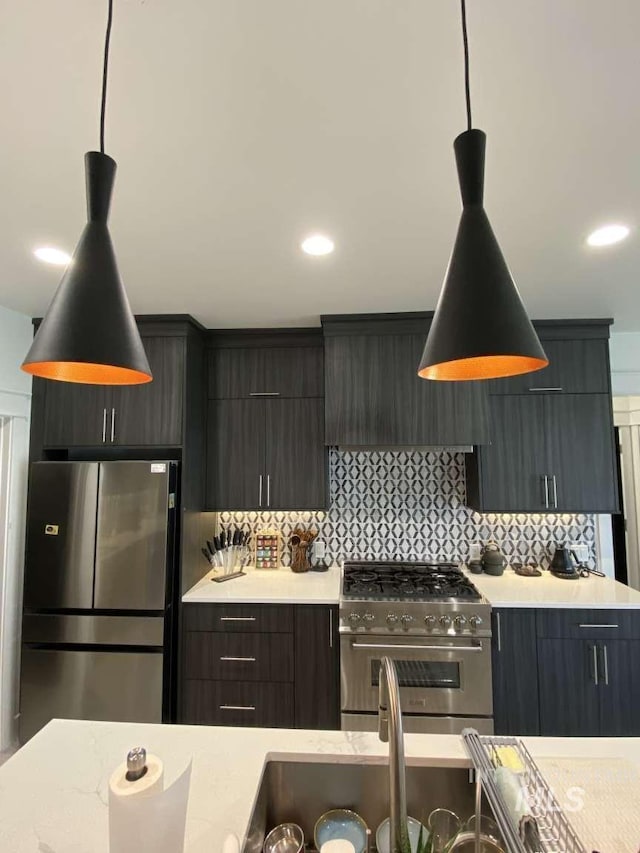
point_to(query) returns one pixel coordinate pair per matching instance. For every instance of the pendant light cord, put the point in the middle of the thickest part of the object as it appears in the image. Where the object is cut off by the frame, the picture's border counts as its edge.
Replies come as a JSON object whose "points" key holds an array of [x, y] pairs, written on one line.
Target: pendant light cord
{"points": [[105, 69], [465, 41]]}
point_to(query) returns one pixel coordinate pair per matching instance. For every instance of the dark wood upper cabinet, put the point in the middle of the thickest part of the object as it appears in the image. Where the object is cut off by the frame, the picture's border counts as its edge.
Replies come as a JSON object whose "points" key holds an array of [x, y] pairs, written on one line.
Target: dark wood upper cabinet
{"points": [[133, 416], [579, 366], [296, 459], [236, 455], [265, 433], [549, 453], [151, 414], [374, 397], [75, 415], [266, 371]]}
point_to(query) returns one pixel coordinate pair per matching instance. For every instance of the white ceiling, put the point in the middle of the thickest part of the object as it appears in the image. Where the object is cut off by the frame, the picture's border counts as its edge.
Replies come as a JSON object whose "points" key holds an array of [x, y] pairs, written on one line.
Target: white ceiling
{"points": [[239, 126]]}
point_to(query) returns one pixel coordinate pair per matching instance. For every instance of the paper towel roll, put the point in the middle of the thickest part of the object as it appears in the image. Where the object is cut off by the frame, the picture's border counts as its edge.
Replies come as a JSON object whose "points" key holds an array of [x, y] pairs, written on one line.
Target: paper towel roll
{"points": [[146, 817], [152, 781]]}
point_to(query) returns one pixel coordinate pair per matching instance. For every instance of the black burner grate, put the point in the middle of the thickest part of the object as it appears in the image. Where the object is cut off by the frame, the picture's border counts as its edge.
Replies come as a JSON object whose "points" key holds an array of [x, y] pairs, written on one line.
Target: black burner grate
{"points": [[417, 581]]}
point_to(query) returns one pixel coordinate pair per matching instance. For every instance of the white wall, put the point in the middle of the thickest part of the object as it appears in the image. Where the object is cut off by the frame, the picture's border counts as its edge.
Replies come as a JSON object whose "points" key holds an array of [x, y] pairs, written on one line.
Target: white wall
{"points": [[624, 349], [15, 405]]}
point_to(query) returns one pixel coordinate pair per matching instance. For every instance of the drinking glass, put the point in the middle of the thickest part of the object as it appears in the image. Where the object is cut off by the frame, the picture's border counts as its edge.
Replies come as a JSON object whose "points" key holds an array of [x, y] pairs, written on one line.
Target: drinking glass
{"points": [[443, 825]]}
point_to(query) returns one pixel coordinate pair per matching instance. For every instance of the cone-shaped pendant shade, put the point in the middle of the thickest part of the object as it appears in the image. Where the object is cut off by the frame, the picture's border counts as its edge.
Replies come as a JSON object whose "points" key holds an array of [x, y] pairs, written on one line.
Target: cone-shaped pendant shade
{"points": [[480, 329], [89, 334]]}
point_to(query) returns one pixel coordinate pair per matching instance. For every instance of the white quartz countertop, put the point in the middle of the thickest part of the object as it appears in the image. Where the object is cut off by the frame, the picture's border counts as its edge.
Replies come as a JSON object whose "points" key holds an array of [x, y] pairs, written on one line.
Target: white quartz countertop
{"points": [[53, 792], [512, 590], [282, 586], [268, 586]]}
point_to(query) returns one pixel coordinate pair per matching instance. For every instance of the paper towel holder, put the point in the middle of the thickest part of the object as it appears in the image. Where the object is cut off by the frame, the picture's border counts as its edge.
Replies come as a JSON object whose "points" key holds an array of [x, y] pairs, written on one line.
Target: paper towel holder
{"points": [[136, 763]]}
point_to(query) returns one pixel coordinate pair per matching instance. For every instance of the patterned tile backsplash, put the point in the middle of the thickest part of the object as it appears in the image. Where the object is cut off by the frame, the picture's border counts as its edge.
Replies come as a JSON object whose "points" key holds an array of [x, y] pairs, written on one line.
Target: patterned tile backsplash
{"points": [[409, 504]]}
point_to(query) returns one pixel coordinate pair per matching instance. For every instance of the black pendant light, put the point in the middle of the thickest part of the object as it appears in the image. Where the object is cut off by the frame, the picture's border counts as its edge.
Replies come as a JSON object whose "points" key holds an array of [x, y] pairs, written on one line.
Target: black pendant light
{"points": [[89, 334], [480, 329]]}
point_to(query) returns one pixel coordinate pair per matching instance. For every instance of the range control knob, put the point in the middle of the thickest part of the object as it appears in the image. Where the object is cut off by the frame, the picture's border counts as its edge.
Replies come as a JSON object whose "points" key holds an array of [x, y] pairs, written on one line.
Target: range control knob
{"points": [[460, 622], [354, 618], [475, 621], [406, 619], [430, 621], [368, 617], [392, 618], [445, 621]]}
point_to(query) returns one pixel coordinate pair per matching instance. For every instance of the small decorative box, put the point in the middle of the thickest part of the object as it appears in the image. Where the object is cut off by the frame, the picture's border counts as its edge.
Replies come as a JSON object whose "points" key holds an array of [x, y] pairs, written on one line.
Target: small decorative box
{"points": [[267, 549]]}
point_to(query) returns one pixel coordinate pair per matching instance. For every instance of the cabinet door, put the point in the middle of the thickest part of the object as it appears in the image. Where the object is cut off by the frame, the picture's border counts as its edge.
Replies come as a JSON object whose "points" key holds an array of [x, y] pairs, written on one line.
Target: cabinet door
{"points": [[374, 396], [510, 470], [76, 415], [296, 457], [619, 687], [569, 694], [151, 414], [293, 371], [514, 663], [579, 366], [235, 372], [317, 667], [235, 455], [581, 452]]}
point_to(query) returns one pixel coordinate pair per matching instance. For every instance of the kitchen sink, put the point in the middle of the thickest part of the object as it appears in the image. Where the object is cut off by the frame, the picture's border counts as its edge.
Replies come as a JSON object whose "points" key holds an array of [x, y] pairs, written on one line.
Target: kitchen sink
{"points": [[300, 792]]}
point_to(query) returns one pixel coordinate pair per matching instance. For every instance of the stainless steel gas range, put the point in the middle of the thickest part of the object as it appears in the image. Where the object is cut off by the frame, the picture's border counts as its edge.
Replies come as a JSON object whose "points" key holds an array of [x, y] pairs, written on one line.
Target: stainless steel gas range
{"points": [[435, 626]]}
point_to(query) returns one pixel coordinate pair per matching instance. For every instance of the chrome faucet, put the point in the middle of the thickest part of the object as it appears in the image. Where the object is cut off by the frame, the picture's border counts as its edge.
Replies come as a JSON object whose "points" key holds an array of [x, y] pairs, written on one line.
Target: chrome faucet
{"points": [[390, 731]]}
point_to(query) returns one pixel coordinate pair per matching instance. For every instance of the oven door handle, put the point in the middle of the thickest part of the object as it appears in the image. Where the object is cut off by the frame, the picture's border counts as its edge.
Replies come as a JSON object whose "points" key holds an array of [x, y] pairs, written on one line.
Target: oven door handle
{"points": [[390, 647]]}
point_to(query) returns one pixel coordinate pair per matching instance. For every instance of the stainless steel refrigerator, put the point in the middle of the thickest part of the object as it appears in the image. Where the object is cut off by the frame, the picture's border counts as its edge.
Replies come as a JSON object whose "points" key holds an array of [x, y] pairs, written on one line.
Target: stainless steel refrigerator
{"points": [[99, 593]]}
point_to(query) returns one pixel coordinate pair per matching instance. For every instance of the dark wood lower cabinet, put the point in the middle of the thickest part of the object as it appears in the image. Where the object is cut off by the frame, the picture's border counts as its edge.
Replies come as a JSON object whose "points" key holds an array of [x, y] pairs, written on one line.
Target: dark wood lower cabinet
{"points": [[317, 667], [514, 664], [261, 665], [569, 699]]}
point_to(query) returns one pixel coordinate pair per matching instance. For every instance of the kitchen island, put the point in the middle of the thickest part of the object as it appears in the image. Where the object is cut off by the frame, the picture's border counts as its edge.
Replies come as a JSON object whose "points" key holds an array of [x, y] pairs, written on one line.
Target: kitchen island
{"points": [[54, 791]]}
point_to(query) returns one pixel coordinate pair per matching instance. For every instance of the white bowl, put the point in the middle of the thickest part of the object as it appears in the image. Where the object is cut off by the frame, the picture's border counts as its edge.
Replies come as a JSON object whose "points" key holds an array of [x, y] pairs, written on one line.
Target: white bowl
{"points": [[414, 826]]}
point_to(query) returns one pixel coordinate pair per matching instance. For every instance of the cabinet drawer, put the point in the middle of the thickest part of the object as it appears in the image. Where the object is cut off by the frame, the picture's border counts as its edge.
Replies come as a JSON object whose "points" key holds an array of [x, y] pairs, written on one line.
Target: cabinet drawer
{"points": [[589, 624], [238, 657], [240, 618], [238, 703]]}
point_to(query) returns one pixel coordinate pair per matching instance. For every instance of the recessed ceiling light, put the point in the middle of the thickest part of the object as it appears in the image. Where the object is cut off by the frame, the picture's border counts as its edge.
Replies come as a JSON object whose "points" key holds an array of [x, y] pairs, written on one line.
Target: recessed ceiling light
{"points": [[318, 244], [607, 235], [52, 256]]}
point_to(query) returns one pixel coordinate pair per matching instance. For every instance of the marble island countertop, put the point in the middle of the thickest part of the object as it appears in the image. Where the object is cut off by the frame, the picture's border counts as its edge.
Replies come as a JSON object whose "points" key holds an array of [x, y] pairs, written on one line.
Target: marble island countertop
{"points": [[54, 791], [282, 586]]}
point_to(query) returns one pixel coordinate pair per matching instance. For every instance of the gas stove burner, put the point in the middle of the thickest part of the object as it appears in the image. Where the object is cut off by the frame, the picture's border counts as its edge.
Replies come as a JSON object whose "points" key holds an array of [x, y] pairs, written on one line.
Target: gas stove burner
{"points": [[407, 581]]}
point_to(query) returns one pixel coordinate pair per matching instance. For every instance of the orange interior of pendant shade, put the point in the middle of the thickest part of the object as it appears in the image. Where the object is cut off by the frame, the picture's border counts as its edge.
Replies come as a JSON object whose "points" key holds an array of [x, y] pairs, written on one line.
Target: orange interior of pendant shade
{"points": [[484, 367], [86, 373]]}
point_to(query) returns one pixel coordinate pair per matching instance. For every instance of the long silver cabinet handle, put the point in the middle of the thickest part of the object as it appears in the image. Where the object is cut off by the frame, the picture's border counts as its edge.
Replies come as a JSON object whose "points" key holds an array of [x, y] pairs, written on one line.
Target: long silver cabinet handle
{"points": [[237, 707], [104, 426], [595, 625], [268, 489], [499, 634], [244, 660], [237, 618], [260, 492], [595, 664], [113, 425], [543, 390], [264, 393], [330, 628], [405, 647], [546, 491], [605, 660], [555, 491]]}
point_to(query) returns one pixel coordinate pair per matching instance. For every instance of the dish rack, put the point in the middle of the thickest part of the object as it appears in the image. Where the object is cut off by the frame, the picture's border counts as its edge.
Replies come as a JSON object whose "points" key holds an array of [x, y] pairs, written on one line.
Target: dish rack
{"points": [[556, 834]]}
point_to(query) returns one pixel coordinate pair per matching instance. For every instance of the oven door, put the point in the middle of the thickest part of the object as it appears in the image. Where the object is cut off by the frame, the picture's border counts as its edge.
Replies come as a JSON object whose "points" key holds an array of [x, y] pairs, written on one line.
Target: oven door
{"points": [[437, 675]]}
